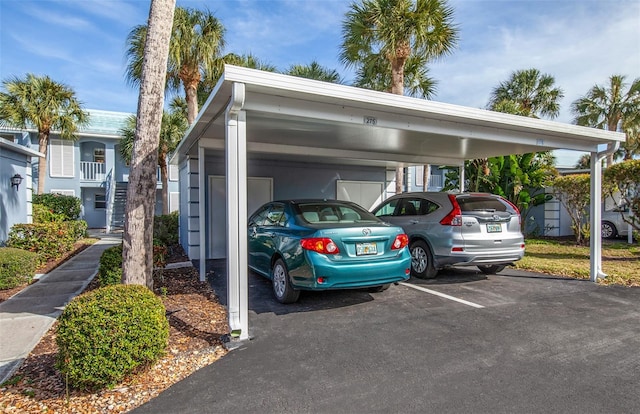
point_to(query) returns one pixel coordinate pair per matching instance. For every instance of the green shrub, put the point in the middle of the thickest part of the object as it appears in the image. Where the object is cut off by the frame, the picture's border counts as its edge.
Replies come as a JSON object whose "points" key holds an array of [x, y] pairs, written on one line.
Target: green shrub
{"points": [[110, 270], [76, 228], [42, 214], [16, 267], [165, 229], [49, 240], [68, 206], [108, 333]]}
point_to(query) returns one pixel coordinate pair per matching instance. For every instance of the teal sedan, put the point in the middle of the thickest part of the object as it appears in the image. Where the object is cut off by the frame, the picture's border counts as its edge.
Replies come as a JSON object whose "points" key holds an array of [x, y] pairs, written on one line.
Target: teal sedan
{"points": [[323, 245]]}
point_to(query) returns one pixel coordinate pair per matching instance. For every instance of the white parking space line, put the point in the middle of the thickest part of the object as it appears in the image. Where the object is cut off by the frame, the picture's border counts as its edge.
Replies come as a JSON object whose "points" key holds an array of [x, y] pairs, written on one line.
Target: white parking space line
{"points": [[442, 295]]}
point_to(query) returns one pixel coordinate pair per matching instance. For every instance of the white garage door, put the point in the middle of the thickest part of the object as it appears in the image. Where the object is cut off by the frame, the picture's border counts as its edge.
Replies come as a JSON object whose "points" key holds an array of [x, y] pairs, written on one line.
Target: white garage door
{"points": [[259, 191], [365, 193]]}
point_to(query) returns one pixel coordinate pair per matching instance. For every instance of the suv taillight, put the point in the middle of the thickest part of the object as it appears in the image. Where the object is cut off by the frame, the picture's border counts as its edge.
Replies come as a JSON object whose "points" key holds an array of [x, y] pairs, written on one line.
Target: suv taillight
{"points": [[514, 209], [454, 218]]}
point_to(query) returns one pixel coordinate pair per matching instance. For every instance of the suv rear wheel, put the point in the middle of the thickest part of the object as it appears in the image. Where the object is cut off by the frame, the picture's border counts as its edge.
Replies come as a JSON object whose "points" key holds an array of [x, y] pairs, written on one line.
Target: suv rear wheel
{"points": [[422, 261], [491, 269]]}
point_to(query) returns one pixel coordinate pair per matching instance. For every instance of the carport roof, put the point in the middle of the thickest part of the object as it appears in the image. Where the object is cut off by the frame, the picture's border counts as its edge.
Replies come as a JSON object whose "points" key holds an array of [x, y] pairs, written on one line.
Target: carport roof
{"points": [[289, 117]]}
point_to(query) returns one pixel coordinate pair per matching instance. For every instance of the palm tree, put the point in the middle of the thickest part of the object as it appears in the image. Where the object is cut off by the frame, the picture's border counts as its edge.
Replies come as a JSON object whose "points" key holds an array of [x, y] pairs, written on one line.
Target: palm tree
{"points": [[519, 178], [376, 75], [397, 32], [611, 108], [248, 61], [527, 93], [172, 128], [197, 39], [137, 252], [47, 105], [316, 71]]}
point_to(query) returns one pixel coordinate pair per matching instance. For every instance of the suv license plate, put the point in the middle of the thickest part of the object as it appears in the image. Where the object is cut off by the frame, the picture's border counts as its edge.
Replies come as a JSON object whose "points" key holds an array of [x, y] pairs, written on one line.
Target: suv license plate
{"points": [[494, 228], [363, 249]]}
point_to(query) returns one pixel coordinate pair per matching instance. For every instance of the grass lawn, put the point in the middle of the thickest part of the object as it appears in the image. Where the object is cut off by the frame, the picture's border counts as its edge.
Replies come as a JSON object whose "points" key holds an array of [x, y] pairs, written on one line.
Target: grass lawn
{"points": [[620, 261]]}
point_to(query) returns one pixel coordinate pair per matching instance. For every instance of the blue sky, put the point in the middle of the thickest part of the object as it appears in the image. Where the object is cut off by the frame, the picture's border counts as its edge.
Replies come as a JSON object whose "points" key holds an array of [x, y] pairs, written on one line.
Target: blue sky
{"points": [[579, 42]]}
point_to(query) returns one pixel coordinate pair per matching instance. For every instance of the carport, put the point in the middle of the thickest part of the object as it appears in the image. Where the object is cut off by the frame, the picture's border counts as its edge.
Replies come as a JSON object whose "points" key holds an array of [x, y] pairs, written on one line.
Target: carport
{"points": [[255, 115]]}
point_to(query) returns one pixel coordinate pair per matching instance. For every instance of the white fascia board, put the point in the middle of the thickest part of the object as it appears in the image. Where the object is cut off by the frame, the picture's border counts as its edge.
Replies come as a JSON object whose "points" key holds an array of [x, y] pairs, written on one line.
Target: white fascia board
{"points": [[401, 104], [21, 149]]}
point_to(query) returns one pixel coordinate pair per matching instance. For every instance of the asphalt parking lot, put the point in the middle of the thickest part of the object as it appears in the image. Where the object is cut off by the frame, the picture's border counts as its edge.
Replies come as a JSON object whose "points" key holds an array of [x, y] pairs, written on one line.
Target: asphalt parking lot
{"points": [[515, 342]]}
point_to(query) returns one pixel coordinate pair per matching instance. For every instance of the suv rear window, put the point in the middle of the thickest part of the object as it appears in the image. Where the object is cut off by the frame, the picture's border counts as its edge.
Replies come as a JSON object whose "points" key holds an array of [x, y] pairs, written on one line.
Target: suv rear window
{"points": [[482, 203]]}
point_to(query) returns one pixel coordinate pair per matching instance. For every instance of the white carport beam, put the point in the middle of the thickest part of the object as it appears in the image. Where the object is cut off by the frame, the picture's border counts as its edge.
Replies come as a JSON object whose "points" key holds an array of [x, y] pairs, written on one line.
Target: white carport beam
{"points": [[595, 244], [236, 166], [202, 234]]}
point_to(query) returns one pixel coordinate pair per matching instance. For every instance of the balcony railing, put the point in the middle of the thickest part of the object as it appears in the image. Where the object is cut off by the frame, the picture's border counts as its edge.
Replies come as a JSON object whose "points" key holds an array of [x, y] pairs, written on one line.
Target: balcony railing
{"points": [[92, 171]]}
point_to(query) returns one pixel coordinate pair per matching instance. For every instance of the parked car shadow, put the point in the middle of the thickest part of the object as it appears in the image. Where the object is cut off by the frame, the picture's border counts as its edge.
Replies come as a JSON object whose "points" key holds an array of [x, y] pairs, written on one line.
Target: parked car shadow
{"points": [[452, 275], [262, 300]]}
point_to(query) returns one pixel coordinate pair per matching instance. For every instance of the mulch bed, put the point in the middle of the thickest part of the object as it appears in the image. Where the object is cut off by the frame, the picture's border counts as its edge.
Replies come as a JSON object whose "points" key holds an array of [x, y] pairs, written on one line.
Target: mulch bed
{"points": [[197, 321]]}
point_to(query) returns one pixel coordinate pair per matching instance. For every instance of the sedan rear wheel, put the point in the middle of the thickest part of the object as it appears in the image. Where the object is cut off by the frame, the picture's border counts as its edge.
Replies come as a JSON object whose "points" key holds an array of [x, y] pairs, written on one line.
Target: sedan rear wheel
{"points": [[282, 288], [422, 261], [491, 269]]}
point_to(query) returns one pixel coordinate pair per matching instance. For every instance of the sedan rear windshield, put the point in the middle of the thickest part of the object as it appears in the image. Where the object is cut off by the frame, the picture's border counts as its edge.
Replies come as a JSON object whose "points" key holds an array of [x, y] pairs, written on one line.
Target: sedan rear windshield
{"points": [[480, 203], [315, 213]]}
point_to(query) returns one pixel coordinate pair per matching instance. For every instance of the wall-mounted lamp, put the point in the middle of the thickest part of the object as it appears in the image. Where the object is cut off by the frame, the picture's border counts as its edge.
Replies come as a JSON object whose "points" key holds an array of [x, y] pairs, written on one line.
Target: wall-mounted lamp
{"points": [[16, 180]]}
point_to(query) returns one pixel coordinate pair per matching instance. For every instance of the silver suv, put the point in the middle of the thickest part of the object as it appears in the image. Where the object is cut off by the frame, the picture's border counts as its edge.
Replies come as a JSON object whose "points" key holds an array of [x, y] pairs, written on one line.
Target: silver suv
{"points": [[469, 229]]}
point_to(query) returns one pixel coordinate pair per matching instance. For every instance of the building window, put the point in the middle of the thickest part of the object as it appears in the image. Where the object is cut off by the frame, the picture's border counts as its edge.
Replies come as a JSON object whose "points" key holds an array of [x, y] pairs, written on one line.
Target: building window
{"points": [[100, 202], [98, 155]]}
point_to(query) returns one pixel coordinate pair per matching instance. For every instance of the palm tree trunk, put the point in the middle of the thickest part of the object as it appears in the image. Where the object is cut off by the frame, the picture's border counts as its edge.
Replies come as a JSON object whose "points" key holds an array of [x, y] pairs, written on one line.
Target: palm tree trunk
{"points": [[397, 87], [43, 144], [191, 91], [137, 253]]}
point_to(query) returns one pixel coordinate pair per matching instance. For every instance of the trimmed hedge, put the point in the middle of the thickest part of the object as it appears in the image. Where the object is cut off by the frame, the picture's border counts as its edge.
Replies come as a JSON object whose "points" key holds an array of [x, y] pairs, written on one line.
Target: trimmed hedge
{"points": [[16, 267], [49, 240], [110, 270], [43, 214], [68, 206], [109, 333], [165, 229]]}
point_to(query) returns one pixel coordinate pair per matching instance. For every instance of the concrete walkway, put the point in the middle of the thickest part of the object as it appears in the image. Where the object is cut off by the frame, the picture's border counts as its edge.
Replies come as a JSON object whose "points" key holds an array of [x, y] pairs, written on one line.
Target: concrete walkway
{"points": [[27, 316]]}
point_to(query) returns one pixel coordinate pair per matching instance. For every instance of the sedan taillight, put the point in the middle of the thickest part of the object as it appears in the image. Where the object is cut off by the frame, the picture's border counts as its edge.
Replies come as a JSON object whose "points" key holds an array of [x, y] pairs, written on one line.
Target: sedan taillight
{"points": [[454, 218], [401, 241], [320, 244]]}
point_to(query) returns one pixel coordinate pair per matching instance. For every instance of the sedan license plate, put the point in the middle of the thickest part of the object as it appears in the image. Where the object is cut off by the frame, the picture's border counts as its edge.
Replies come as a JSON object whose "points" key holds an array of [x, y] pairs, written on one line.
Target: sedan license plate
{"points": [[363, 249], [494, 228]]}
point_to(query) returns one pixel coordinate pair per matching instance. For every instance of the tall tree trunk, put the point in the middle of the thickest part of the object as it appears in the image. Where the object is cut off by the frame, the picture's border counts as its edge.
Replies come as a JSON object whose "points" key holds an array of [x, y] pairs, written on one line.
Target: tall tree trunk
{"points": [[137, 254], [426, 176], [43, 143], [397, 87]]}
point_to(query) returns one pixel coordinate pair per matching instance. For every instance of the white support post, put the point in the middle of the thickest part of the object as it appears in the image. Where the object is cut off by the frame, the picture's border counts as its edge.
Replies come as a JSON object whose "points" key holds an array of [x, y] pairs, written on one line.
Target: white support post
{"points": [[202, 215], [236, 165], [596, 217], [461, 175]]}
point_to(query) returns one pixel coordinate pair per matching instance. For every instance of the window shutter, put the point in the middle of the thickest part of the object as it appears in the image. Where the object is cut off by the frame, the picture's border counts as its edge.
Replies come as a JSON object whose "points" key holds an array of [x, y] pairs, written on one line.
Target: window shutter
{"points": [[61, 162], [174, 202], [173, 172]]}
